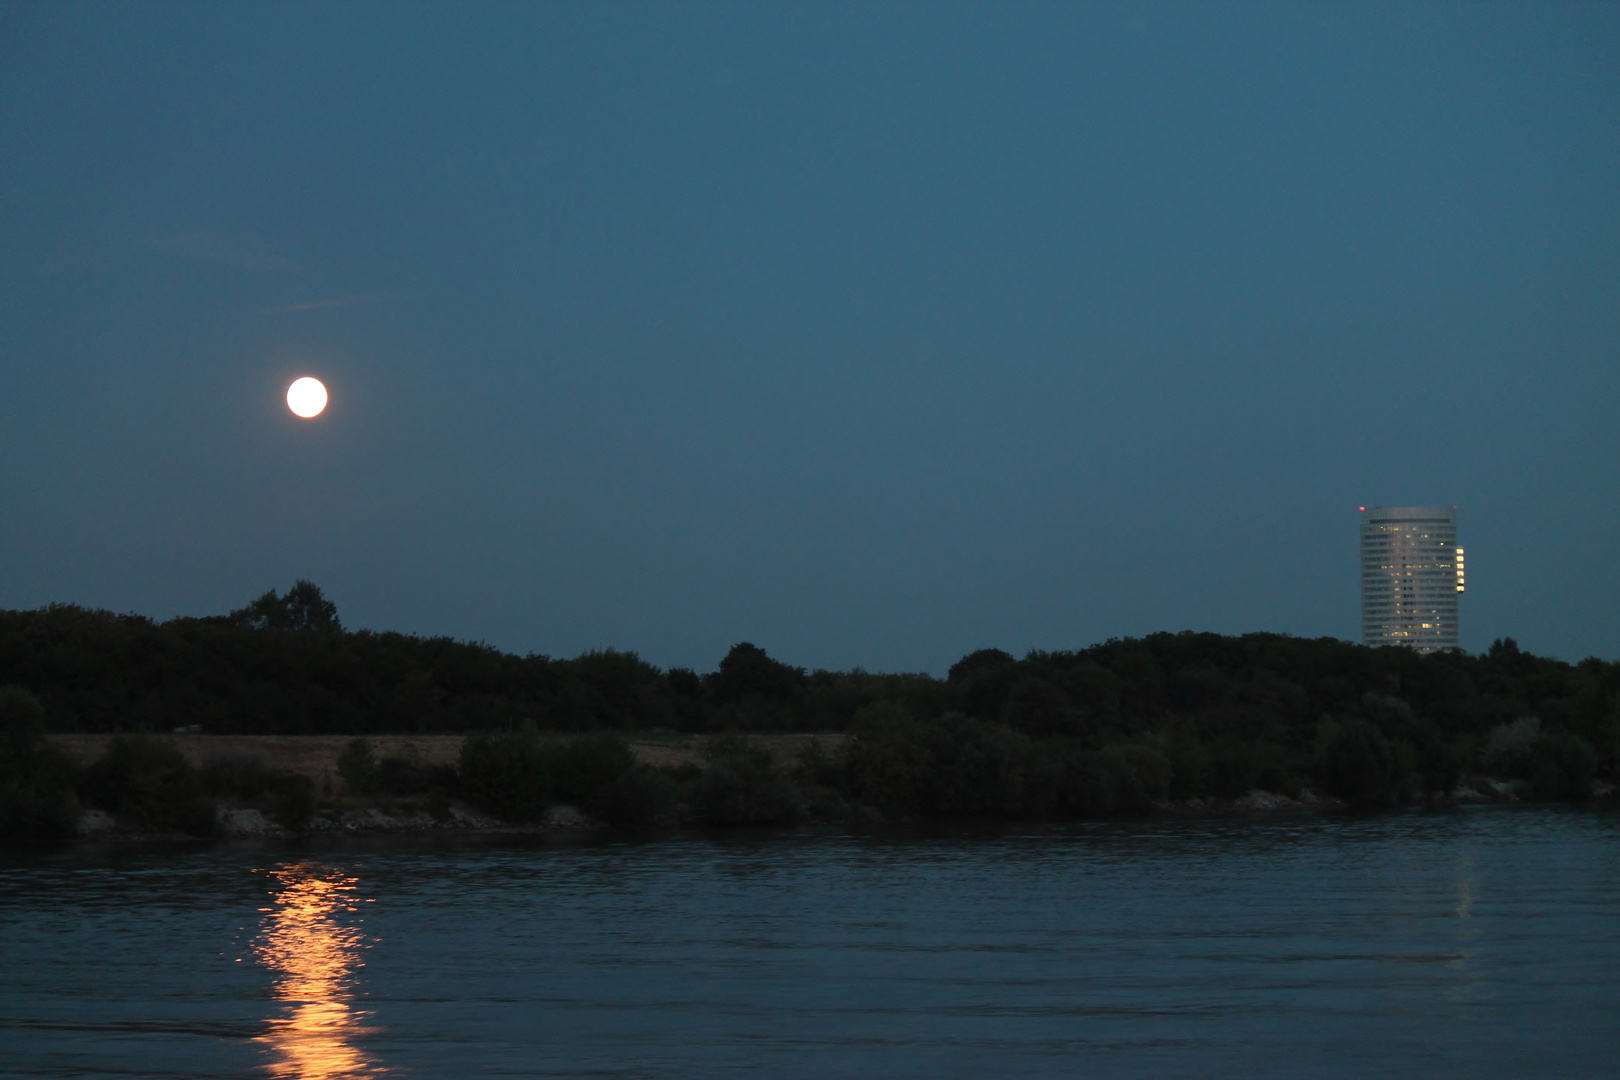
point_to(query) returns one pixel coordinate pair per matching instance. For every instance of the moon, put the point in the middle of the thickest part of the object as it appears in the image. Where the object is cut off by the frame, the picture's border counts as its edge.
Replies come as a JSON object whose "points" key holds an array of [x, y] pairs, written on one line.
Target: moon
{"points": [[306, 397]]}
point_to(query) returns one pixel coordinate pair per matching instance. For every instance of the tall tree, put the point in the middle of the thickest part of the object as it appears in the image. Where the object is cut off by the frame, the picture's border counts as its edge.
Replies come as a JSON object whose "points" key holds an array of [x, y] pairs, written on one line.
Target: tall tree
{"points": [[302, 607]]}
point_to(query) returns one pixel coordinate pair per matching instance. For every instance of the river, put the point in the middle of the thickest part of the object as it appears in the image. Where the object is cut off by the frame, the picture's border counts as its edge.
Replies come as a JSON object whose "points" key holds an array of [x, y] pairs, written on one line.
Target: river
{"points": [[1473, 943]]}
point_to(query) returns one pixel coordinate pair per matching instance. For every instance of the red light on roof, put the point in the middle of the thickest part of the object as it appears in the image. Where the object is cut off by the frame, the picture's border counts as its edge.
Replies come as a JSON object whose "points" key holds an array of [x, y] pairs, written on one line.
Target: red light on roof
{"points": [[1361, 508]]}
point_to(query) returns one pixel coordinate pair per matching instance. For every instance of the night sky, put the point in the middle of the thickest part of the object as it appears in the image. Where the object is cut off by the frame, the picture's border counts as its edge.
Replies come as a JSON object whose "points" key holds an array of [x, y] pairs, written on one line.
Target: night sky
{"points": [[870, 333]]}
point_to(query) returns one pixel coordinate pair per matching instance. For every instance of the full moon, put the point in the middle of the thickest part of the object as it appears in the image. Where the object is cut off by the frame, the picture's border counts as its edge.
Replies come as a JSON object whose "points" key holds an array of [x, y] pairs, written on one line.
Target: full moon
{"points": [[306, 397]]}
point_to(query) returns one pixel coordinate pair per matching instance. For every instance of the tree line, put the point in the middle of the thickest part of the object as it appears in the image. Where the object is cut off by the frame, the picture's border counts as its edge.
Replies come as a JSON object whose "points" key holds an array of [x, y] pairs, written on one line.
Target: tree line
{"points": [[1115, 727]]}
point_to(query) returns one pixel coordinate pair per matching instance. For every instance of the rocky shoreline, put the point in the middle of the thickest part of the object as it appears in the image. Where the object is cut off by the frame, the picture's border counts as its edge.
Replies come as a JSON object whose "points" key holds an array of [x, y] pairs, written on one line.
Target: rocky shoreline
{"points": [[245, 822], [458, 817]]}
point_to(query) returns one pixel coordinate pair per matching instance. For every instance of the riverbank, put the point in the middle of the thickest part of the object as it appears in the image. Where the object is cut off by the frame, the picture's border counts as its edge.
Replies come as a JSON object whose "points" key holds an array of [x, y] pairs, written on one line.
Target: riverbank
{"points": [[338, 811], [702, 789]]}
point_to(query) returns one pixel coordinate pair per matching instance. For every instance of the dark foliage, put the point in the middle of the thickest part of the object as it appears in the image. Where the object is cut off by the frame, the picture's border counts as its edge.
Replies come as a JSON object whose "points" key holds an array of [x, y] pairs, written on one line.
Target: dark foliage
{"points": [[753, 691], [506, 775], [642, 797], [359, 768], [245, 777], [281, 666], [150, 783], [1356, 763], [1108, 729], [301, 607], [584, 770], [248, 779], [959, 767], [1563, 768], [293, 802], [742, 786], [403, 777], [953, 767], [36, 804]]}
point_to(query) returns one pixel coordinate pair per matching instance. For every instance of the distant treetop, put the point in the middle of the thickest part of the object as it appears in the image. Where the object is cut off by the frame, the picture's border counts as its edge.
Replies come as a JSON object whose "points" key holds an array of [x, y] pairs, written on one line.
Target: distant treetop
{"points": [[302, 607]]}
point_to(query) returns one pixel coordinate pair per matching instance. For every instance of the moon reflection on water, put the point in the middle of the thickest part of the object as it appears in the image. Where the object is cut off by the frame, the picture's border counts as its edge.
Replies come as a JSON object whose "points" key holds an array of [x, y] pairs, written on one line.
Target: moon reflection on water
{"points": [[314, 952]]}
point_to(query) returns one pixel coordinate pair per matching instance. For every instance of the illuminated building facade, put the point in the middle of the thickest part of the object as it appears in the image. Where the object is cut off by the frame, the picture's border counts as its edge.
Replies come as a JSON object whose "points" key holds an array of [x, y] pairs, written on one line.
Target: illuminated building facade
{"points": [[1411, 576]]}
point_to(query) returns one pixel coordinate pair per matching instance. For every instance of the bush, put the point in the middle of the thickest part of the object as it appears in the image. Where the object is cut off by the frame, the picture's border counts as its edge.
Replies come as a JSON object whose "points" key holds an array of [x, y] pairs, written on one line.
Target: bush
{"points": [[404, 775], [980, 770], [358, 767], [505, 775], [816, 766], [239, 775], [1040, 709], [1088, 785], [29, 815], [741, 786], [953, 767], [1144, 776], [1441, 762], [1562, 768], [584, 770], [36, 803], [642, 797], [248, 777], [884, 761], [1235, 767], [1355, 762], [1510, 750], [293, 802], [150, 782], [1190, 768]]}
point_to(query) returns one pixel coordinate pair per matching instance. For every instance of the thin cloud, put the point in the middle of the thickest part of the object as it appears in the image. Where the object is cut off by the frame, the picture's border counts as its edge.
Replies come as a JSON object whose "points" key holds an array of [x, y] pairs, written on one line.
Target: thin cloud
{"points": [[237, 253], [319, 305]]}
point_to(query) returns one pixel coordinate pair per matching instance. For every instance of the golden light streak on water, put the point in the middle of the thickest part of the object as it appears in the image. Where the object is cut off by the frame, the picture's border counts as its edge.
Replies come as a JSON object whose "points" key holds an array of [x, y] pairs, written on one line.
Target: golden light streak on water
{"points": [[306, 942]]}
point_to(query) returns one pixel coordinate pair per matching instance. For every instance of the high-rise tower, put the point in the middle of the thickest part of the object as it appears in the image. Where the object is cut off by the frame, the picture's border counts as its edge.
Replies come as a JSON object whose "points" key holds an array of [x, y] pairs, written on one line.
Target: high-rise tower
{"points": [[1411, 576]]}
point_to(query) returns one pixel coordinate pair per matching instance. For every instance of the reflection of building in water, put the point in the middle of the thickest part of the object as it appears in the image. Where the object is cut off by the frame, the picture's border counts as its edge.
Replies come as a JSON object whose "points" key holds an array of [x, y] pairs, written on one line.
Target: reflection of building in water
{"points": [[307, 944]]}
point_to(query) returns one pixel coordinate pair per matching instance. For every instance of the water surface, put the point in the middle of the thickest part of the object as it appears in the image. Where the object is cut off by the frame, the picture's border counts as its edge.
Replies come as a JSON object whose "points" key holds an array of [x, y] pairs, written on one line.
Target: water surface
{"points": [[1477, 943]]}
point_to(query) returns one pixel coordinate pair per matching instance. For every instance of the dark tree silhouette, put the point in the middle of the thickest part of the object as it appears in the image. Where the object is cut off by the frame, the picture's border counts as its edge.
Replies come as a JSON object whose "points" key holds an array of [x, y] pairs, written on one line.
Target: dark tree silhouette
{"points": [[301, 607], [1112, 728]]}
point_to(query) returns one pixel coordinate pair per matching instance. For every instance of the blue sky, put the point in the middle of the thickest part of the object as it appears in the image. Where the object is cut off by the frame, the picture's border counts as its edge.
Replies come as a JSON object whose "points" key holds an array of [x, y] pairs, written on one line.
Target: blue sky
{"points": [[871, 333]]}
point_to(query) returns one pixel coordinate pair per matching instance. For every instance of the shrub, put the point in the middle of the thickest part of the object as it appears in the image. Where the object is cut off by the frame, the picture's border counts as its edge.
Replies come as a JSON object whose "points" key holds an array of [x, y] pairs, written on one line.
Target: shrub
{"points": [[1235, 767], [1441, 762], [404, 775], [741, 786], [642, 797], [1144, 775], [31, 816], [584, 770], [1190, 768], [35, 778], [358, 767], [238, 775], [978, 770], [1562, 768], [953, 767], [293, 803], [1040, 709], [505, 775], [816, 766], [1510, 749], [1088, 785], [1355, 762], [150, 782], [884, 759], [249, 777]]}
